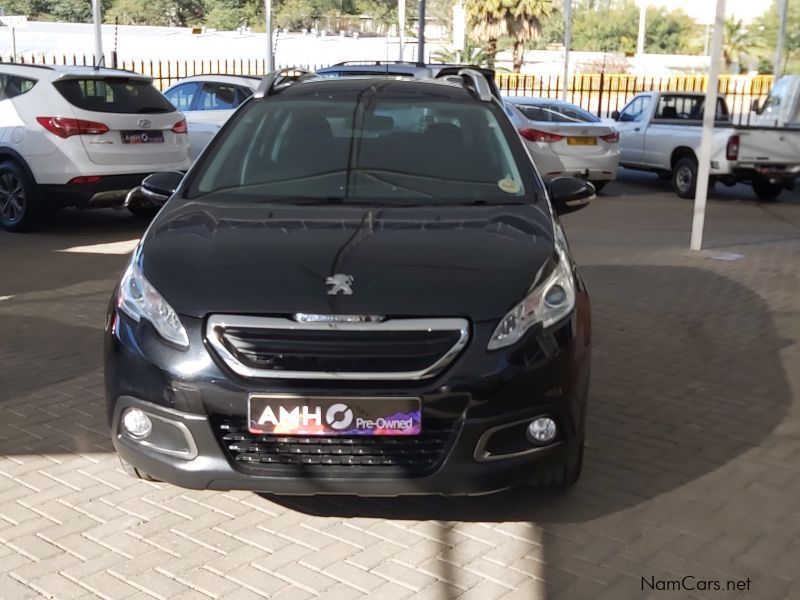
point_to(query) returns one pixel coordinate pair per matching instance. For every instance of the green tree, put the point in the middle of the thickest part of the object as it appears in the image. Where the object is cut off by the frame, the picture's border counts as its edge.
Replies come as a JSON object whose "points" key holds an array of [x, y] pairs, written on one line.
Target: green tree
{"points": [[765, 30], [671, 32], [178, 13], [614, 27]]}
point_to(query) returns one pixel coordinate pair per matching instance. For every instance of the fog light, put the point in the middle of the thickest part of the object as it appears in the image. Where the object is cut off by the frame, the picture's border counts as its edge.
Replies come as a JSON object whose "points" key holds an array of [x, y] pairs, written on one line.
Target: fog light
{"points": [[542, 430], [136, 424]]}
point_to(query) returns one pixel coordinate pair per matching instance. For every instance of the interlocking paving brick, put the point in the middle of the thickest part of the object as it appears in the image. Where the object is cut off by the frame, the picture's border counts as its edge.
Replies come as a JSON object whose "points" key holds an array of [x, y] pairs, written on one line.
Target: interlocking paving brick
{"points": [[691, 465]]}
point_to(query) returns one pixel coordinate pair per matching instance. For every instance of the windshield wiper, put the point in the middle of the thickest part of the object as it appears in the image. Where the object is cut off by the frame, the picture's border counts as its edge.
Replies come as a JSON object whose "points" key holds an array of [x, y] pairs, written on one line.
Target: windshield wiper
{"points": [[152, 110]]}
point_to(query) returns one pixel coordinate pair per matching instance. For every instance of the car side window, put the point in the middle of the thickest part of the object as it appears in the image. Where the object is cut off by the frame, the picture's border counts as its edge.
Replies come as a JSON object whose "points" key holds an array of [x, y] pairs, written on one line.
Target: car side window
{"points": [[12, 86], [242, 94], [217, 96], [182, 96], [636, 109]]}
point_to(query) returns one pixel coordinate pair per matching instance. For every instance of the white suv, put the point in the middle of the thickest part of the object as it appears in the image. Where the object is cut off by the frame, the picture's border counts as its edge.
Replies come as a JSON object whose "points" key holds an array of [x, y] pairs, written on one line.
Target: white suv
{"points": [[80, 136]]}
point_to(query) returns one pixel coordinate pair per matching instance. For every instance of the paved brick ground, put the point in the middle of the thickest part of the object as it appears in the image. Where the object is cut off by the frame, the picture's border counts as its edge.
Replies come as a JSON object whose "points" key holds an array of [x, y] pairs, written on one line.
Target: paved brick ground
{"points": [[692, 466]]}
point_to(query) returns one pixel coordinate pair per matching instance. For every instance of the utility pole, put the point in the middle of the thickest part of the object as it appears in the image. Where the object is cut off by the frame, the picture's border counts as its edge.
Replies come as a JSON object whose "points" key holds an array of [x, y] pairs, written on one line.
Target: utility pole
{"points": [[270, 63], [401, 26], [98, 33], [782, 14], [642, 18], [567, 43], [709, 116], [421, 34]]}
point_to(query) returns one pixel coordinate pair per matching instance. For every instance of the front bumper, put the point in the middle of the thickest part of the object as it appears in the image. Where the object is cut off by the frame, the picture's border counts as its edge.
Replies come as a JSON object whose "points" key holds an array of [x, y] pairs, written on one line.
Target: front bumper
{"points": [[546, 374], [458, 474]]}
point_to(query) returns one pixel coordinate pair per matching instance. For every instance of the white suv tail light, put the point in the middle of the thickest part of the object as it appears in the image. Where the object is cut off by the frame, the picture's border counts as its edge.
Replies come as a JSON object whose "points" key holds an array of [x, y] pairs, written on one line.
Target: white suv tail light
{"points": [[180, 127], [65, 127]]}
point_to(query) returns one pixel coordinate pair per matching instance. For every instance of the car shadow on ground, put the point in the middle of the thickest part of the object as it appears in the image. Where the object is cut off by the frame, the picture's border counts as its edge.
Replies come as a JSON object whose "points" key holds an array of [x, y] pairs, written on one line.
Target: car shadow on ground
{"points": [[686, 377], [77, 222], [631, 183]]}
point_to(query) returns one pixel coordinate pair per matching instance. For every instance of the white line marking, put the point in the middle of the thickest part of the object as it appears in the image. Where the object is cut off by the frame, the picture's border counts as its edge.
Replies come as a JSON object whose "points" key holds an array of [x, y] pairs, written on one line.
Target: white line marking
{"points": [[125, 247], [5, 298]]}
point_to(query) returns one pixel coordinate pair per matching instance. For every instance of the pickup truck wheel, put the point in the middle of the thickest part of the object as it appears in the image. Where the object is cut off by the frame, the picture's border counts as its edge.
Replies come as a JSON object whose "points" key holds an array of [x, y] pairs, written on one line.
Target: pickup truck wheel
{"points": [[766, 191], [684, 177]]}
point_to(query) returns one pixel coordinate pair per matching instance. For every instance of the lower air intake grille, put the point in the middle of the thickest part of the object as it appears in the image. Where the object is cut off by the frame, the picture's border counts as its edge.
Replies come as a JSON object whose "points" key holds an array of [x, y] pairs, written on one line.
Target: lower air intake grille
{"points": [[410, 453]]}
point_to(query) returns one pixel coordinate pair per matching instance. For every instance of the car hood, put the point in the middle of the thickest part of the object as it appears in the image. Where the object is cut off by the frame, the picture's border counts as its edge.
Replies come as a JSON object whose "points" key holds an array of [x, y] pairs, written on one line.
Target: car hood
{"points": [[471, 261]]}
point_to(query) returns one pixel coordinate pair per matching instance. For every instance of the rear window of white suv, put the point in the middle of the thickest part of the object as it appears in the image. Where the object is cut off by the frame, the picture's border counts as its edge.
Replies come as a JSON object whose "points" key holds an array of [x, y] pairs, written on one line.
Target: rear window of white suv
{"points": [[114, 95]]}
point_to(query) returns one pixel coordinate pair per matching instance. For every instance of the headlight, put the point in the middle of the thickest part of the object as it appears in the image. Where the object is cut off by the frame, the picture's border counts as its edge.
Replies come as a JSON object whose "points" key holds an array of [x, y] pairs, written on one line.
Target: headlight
{"points": [[138, 299], [547, 304]]}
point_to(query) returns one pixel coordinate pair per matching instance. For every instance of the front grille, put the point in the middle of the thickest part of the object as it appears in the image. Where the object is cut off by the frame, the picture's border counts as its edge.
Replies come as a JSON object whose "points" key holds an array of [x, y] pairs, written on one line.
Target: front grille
{"points": [[344, 351], [396, 349], [411, 454]]}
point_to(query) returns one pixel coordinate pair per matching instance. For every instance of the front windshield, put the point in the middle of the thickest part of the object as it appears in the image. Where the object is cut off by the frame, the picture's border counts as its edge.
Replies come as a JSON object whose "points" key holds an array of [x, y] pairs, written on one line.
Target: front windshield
{"points": [[363, 148]]}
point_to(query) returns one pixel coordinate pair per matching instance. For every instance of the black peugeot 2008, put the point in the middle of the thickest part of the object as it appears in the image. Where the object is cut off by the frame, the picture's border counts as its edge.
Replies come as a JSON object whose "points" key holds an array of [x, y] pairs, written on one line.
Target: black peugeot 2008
{"points": [[361, 287]]}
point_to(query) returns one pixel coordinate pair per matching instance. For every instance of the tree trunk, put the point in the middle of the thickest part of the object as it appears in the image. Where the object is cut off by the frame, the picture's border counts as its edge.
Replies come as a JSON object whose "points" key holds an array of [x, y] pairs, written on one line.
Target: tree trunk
{"points": [[519, 55], [491, 52]]}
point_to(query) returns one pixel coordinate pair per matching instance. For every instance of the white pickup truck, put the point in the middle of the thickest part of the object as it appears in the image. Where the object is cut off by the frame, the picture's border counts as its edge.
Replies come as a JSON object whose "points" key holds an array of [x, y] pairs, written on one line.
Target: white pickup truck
{"points": [[661, 131]]}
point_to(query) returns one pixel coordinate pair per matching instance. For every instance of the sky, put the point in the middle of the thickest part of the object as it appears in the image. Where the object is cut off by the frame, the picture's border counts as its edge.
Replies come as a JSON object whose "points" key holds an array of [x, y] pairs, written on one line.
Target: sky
{"points": [[704, 10]]}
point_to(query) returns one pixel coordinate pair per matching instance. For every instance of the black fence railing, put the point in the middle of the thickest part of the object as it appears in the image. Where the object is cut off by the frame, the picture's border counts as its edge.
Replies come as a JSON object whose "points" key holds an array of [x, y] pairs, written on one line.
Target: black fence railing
{"points": [[599, 93]]}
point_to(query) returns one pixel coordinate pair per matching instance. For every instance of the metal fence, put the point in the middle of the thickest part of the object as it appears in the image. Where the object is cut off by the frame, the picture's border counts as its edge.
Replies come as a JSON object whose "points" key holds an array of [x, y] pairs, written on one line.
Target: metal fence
{"points": [[603, 93], [600, 93]]}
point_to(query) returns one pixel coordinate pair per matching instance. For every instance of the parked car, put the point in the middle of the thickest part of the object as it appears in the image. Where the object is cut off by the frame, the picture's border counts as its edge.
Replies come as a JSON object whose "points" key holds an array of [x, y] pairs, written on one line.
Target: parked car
{"points": [[661, 132], [208, 101], [399, 68], [389, 309], [79, 136], [566, 140]]}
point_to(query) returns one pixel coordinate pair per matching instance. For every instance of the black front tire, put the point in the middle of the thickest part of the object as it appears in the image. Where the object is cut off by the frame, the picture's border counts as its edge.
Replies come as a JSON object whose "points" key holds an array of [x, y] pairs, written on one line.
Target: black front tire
{"points": [[684, 177], [766, 191], [20, 202], [599, 185], [563, 476]]}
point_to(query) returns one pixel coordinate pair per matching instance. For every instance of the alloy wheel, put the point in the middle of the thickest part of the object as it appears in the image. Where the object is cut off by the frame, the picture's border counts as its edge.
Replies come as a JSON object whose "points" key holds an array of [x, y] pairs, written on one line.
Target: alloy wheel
{"points": [[12, 198]]}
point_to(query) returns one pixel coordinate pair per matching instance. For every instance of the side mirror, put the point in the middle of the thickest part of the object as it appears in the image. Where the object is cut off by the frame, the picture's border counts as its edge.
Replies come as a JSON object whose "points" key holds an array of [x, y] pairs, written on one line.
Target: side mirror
{"points": [[158, 187], [569, 194], [615, 115], [755, 107]]}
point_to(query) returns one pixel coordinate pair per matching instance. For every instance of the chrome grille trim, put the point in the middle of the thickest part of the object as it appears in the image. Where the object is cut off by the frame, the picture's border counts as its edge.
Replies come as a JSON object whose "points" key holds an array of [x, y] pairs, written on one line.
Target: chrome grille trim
{"points": [[216, 324]]}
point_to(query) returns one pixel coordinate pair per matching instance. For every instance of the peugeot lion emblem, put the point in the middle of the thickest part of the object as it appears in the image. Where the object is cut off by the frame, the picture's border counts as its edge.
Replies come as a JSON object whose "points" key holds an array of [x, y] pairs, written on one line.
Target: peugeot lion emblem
{"points": [[340, 283], [144, 123]]}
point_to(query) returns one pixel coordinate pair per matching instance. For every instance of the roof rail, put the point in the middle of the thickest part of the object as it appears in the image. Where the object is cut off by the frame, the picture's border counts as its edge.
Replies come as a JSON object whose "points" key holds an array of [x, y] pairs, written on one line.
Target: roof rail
{"points": [[279, 79], [479, 84], [36, 66], [377, 63]]}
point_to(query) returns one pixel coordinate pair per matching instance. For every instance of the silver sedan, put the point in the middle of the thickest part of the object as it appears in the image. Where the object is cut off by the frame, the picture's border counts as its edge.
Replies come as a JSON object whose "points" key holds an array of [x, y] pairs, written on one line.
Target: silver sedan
{"points": [[565, 140]]}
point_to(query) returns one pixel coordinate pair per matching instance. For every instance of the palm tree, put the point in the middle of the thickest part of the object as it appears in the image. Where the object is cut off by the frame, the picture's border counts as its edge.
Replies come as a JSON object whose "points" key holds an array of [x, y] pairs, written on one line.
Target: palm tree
{"points": [[737, 41], [470, 55], [524, 22], [520, 19], [487, 19]]}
